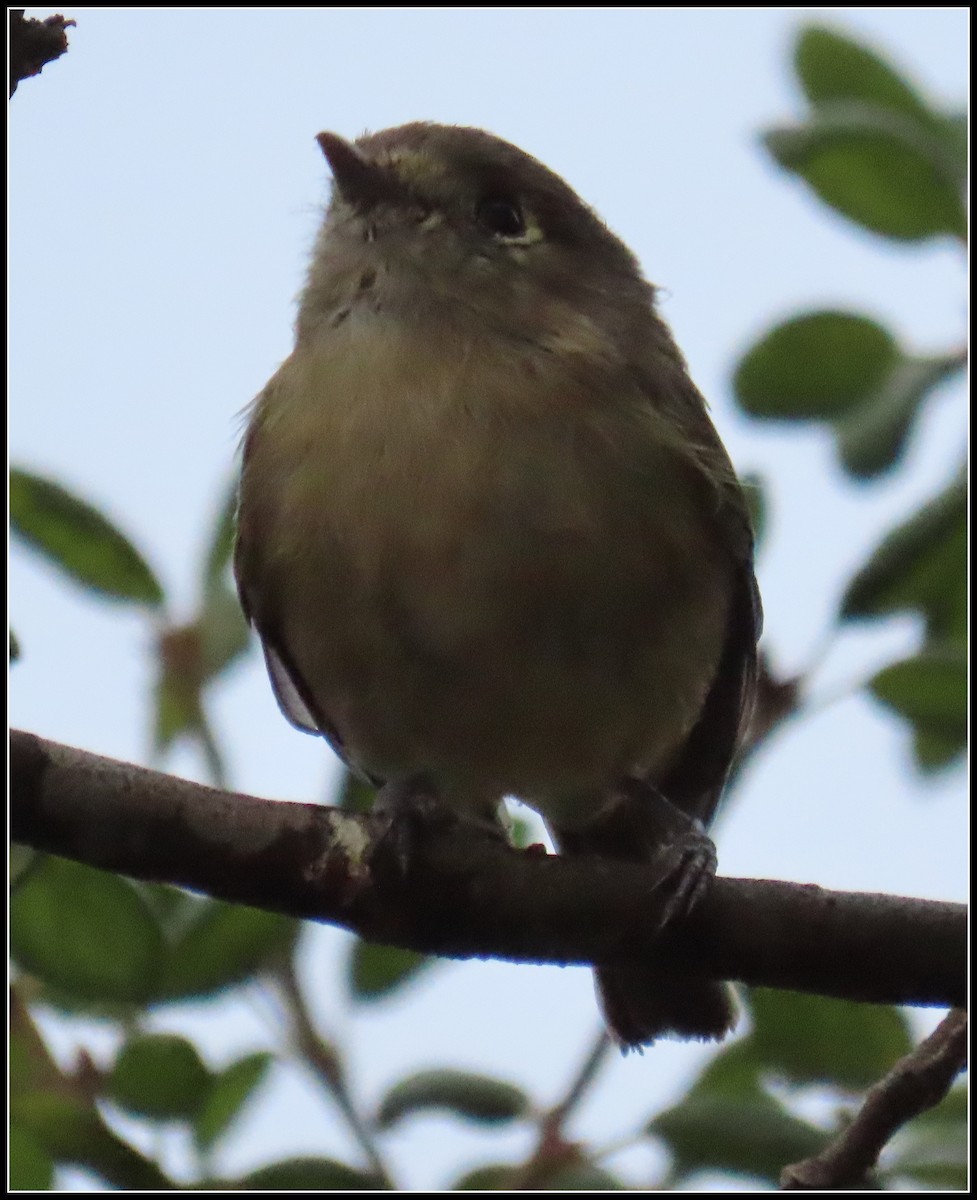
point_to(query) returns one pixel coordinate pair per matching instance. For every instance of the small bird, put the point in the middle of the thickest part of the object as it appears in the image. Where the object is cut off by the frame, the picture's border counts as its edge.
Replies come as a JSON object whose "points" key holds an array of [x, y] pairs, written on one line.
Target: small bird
{"points": [[487, 532]]}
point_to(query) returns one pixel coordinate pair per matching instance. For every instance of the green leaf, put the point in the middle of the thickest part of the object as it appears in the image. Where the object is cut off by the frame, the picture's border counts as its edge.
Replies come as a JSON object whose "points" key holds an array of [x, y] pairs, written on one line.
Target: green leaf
{"points": [[930, 691], [306, 1175], [22, 860], [178, 708], [86, 932], [920, 566], [71, 1131], [223, 631], [160, 1076], [748, 1135], [375, 971], [472, 1097], [756, 503], [356, 796], [522, 832], [174, 909], [222, 542], [933, 1150], [13, 647], [578, 1176], [228, 1094], [31, 1169], [226, 945], [872, 437], [955, 128], [187, 655], [888, 171], [733, 1072], [814, 1039], [221, 627], [711, 1127], [817, 366], [582, 1177], [831, 66], [492, 1177], [80, 541]]}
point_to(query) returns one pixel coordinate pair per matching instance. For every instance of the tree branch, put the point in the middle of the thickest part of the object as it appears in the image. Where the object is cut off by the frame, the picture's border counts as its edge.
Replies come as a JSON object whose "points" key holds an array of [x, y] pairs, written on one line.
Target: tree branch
{"points": [[467, 895], [33, 44], [917, 1082]]}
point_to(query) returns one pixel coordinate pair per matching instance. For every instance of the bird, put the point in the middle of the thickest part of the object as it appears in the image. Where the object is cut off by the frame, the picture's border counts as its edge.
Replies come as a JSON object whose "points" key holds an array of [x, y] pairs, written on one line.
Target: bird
{"points": [[488, 534]]}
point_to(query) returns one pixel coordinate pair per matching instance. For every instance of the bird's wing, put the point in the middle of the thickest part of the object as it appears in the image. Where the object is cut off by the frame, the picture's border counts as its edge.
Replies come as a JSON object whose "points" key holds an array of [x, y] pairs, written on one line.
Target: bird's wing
{"points": [[695, 780], [295, 698]]}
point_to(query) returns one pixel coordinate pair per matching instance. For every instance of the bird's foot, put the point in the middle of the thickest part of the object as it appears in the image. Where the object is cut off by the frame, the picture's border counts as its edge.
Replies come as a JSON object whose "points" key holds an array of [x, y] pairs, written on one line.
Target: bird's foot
{"points": [[412, 812], [684, 853]]}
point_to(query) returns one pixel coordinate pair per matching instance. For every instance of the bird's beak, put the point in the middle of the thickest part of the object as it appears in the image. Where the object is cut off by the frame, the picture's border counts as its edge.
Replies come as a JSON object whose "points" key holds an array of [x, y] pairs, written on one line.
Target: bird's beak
{"points": [[358, 180]]}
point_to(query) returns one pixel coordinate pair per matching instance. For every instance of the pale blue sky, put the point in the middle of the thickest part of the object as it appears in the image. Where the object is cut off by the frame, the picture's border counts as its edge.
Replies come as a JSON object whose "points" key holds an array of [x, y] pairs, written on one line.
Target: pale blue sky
{"points": [[164, 190]]}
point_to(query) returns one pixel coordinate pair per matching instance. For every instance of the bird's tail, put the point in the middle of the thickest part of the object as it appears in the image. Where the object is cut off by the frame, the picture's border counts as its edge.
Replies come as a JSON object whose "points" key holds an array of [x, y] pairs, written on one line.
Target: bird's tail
{"points": [[643, 1001]]}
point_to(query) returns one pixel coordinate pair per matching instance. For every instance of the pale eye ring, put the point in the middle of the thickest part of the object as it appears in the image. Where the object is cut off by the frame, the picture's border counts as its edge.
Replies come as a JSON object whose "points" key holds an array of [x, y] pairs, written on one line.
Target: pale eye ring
{"points": [[500, 216]]}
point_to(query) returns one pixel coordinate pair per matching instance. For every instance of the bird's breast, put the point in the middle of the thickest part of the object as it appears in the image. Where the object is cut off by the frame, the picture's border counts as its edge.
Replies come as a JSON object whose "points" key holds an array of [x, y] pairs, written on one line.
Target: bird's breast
{"points": [[477, 572]]}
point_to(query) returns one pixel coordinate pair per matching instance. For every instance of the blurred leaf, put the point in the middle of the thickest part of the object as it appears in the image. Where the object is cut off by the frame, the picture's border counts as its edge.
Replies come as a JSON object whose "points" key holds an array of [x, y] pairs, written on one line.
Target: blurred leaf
{"points": [[306, 1175], [160, 1076], [174, 909], [522, 832], [86, 932], [472, 1097], [355, 795], [847, 369], [183, 668], [71, 1131], [178, 702], [814, 367], [30, 1166], [756, 502], [930, 692], [223, 631], [831, 66], [13, 647], [814, 1039], [872, 437], [582, 1177], [933, 1150], [932, 751], [956, 131], [748, 1135], [375, 971], [887, 170], [576, 1175], [225, 945], [22, 860], [30, 1066], [493, 1177], [80, 541], [921, 565], [229, 1091], [734, 1071], [221, 547]]}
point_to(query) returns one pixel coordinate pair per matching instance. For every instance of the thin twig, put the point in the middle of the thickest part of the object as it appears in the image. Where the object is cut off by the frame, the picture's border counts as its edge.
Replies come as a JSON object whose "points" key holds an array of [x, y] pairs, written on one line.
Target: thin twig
{"points": [[553, 1150], [917, 1082], [558, 1115], [324, 1062]]}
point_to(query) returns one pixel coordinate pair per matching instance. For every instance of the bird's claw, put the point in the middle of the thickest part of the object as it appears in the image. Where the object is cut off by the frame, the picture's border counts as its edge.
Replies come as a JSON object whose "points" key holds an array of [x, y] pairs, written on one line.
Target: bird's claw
{"points": [[688, 869], [408, 810]]}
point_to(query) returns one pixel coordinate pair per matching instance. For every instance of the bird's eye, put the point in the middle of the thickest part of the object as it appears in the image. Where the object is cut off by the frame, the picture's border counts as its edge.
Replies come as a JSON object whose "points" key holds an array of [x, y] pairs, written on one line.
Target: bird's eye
{"points": [[500, 216]]}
